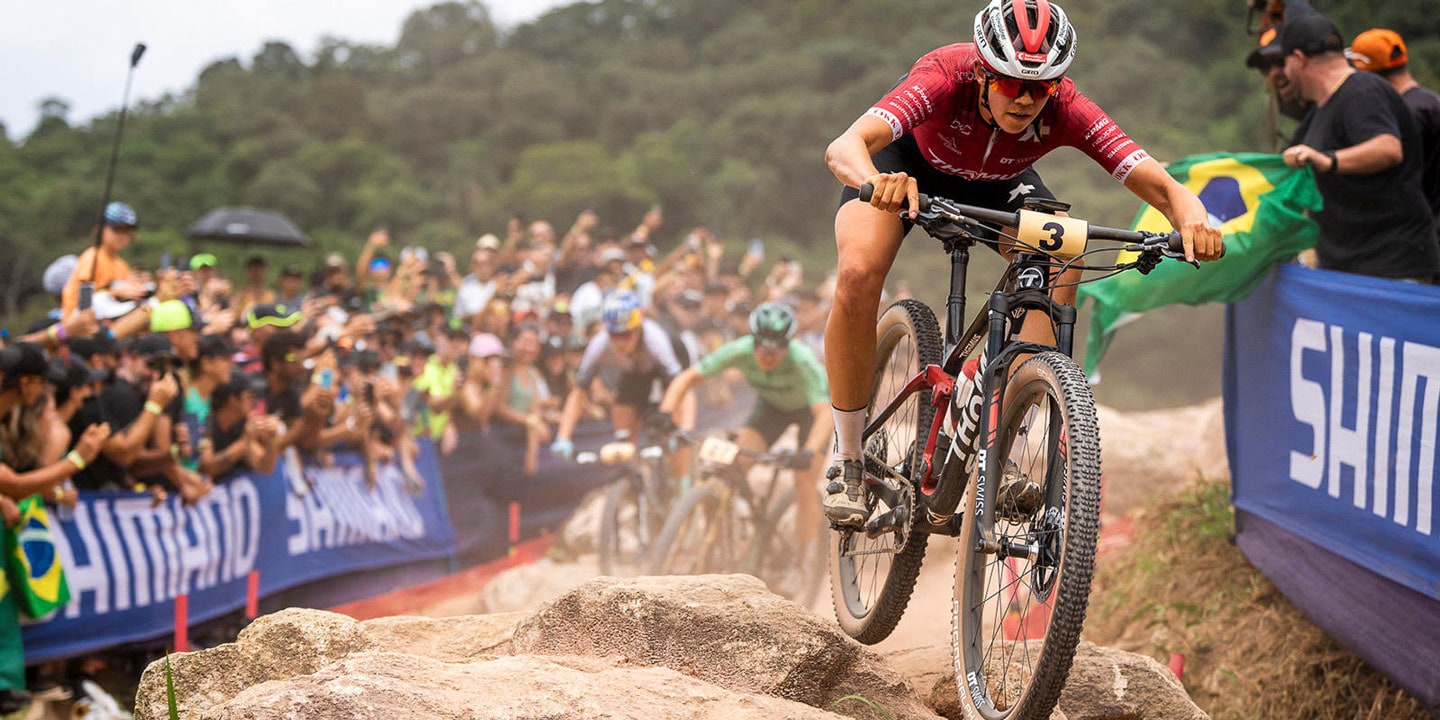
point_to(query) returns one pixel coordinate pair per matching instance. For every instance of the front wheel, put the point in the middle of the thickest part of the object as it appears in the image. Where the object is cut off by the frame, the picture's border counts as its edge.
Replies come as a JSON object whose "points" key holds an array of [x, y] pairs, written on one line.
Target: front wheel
{"points": [[870, 581], [702, 535], [1018, 614], [629, 524]]}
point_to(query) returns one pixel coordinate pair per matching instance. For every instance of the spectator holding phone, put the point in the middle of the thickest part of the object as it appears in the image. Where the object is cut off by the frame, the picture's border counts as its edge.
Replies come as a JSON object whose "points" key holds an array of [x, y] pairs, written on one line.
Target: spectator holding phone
{"points": [[240, 437]]}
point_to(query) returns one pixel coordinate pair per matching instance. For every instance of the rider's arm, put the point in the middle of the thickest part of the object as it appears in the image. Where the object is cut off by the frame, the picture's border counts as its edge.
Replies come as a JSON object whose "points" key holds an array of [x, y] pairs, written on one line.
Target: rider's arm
{"points": [[848, 156], [574, 404], [1181, 207], [677, 389]]}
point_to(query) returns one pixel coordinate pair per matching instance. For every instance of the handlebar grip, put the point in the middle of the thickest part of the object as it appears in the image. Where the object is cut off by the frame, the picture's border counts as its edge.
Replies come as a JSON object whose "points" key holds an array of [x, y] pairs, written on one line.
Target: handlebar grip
{"points": [[1176, 245], [867, 191]]}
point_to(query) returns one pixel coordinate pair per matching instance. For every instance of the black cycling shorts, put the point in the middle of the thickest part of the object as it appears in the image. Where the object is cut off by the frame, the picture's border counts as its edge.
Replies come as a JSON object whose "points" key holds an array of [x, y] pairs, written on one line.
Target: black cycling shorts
{"points": [[903, 155], [771, 422], [638, 389]]}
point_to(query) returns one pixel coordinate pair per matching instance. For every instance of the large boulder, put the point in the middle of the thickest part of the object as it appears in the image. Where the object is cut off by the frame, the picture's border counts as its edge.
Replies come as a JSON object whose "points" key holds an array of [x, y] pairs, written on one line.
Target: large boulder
{"points": [[666, 647], [725, 629], [1104, 684], [297, 642], [387, 686]]}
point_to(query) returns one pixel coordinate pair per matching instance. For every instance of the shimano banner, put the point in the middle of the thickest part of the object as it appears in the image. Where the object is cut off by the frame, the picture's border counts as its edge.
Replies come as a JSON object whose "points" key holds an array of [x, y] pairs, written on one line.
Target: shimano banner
{"points": [[127, 559], [1332, 407]]}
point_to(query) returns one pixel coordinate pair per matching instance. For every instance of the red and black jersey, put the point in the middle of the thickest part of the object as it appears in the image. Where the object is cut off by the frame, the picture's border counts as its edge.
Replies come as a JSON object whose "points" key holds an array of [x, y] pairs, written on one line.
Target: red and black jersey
{"points": [[938, 103]]}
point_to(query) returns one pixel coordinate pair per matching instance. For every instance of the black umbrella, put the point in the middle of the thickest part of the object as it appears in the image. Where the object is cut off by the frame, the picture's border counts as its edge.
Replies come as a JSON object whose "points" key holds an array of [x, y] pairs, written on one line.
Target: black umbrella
{"points": [[246, 225]]}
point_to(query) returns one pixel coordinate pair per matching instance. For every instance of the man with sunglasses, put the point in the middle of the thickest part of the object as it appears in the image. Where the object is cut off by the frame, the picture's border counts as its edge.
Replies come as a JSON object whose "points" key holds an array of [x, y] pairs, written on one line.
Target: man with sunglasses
{"points": [[620, 369], [967, 122], [790, 388]]}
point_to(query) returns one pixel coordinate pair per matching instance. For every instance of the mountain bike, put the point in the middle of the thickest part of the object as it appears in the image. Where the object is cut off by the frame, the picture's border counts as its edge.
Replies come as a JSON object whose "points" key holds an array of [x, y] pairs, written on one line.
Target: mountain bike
{"points": [[1008, 463], [726, 524], [637, 501]]}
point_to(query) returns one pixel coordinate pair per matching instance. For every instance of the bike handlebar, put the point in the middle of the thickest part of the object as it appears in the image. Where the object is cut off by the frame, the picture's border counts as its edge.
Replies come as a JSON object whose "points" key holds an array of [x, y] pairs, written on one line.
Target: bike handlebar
{"points": [[942, 209]]}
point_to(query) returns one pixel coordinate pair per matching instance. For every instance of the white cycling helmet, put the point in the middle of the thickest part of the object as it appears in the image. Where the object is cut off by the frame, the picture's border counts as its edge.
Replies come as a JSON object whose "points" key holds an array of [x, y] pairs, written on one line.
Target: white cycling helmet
{"points": [[1026, 39]]}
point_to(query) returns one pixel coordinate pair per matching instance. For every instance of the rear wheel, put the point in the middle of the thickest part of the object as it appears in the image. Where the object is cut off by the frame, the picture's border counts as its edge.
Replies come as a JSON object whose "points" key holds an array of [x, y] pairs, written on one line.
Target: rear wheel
{"points": [[700, 536], [870, 582], [1018, 615]]}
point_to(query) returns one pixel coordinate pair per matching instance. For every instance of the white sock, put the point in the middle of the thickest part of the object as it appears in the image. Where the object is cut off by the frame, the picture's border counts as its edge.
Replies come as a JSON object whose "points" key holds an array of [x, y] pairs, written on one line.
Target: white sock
{"points": [[849, 426]]}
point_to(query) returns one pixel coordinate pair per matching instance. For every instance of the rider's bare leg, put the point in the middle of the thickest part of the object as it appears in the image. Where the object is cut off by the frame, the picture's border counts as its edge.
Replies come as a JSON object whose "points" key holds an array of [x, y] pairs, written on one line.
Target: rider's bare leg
{"points": [[867, 241]]}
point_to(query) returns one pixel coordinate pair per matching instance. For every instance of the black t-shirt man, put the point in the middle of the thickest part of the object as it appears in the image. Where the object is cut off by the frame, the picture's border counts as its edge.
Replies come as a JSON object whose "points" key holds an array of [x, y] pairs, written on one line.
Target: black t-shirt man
{"points": [[1377, 224], [1425, 106], [120, 404]]}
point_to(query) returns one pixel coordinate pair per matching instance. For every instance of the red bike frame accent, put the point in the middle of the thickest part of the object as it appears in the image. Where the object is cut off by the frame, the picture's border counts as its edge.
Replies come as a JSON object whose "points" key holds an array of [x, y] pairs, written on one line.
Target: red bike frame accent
{"points": [[943, 386]]}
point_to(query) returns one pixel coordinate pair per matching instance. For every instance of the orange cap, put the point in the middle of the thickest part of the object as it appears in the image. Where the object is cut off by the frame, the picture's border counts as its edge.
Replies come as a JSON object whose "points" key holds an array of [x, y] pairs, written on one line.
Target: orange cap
{"points": [[1377, 49]]}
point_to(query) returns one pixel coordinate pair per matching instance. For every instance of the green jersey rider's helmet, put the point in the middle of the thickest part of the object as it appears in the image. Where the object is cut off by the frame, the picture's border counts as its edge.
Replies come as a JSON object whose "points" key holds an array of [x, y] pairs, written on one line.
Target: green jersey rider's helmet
{"points": [[772, 324]]}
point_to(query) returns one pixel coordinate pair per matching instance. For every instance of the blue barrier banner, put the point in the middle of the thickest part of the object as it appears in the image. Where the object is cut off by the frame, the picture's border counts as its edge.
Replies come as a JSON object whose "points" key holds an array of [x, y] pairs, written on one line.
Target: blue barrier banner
{"points": [[1332, 406], [127, 559]]}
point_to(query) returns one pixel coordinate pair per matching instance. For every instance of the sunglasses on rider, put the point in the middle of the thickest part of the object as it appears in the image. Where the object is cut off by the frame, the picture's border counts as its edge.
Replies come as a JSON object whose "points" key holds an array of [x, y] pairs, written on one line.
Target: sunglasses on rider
{"points": [[624, 335], [1015, 87]]}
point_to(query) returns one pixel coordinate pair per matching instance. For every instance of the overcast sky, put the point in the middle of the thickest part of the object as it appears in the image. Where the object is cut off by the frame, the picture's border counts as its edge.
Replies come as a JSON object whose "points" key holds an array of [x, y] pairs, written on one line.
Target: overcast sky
{"points": [[79, 50]]}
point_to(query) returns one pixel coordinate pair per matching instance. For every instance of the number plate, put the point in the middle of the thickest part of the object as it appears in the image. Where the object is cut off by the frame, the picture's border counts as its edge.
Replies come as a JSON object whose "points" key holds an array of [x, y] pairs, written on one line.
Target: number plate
{"points": [[1062, 237], [719, 451]]}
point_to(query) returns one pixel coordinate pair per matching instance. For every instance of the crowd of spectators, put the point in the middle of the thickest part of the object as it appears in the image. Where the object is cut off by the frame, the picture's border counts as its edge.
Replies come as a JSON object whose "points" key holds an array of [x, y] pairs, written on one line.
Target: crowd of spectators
{"points": [[168, 380], [1370, 133]]}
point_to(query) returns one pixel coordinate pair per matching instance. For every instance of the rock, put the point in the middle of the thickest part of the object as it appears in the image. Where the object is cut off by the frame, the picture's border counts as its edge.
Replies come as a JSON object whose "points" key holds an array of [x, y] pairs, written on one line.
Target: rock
{"points": [[671, 647], [1146, 453], [452, 639], [297, 642], [384, 686], [1104, 684], [527, 587], [1108, 684], [725, 629]]}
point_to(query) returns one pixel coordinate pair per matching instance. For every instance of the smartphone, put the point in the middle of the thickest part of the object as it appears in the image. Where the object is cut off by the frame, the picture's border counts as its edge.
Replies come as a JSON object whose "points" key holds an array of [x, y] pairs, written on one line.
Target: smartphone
{"points": [[87, 295], [370, 394], [325, 378], [166, 261], [757, 248]]}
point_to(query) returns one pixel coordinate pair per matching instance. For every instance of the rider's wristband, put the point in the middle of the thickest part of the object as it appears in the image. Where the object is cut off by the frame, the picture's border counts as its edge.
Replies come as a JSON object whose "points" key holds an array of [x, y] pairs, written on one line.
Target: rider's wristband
{"points": [[79, 462], [153, 407]]}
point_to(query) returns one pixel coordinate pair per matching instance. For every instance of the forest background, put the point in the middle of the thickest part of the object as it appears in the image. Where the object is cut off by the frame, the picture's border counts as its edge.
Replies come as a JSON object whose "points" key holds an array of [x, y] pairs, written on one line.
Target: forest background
{"points": [[719, 112]]}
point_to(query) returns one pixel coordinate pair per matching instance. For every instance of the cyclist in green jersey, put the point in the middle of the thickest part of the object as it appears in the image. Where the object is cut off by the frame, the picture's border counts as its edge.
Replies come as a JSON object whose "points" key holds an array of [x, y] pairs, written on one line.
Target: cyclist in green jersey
{"points": [[791, 389]]}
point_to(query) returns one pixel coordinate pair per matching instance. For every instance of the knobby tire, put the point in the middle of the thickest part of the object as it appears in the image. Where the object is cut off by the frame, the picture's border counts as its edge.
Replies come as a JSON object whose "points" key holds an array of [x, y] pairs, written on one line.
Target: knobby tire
{"points": [[1048, 428], [870, 592]]}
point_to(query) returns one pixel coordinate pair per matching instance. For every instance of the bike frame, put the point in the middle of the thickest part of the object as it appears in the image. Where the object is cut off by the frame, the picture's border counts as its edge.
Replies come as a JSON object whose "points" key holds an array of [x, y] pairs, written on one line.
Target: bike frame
{"points": [[940, 493]]}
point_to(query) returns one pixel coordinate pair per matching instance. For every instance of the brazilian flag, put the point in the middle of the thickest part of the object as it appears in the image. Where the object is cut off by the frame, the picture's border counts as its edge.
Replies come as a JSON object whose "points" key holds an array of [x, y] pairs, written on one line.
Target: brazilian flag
{"points": [[31, 564], [1260, 206]]}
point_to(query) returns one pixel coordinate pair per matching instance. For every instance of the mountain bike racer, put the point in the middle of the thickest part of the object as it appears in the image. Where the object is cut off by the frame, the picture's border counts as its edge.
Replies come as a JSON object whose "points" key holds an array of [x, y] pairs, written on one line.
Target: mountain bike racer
{"points": [[791, 389], [967, 122]]}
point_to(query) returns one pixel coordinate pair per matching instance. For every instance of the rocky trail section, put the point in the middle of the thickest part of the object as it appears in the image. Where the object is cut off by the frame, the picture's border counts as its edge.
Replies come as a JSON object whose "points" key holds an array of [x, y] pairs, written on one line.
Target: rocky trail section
{"points": [[678, 647]]}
